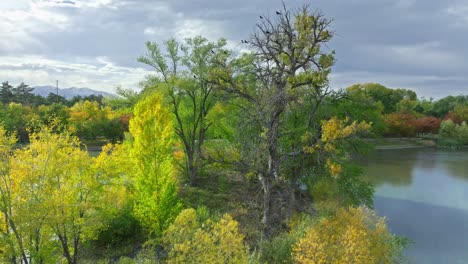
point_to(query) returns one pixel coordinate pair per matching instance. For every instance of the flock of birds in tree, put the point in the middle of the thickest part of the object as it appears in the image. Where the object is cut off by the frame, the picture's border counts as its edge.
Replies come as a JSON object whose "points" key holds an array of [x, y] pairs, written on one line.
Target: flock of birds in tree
{"points": [[243, 40]]}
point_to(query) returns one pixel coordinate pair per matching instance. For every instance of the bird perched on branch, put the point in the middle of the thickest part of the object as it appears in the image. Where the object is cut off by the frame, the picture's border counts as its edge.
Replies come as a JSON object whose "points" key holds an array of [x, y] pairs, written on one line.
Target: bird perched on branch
{"points": [[278, 13], [194, 76], [261, 17]]}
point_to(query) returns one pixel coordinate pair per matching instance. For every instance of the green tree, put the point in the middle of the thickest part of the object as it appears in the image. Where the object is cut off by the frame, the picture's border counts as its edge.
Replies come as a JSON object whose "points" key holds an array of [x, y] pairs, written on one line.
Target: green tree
{"points": [[54, 98], [406, 106], [185, 84], [125, 100], [156, 201], [461, 112], [6, 93], [443, 106], [379, 93], [23, 94]]}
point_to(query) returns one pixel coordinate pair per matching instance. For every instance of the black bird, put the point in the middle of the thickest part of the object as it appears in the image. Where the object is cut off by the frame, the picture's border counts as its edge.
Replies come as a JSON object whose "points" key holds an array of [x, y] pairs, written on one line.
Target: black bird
{"points": [[225, 52], [212, 51], [268, 32], [278, 13], [245, 41], [242, 41], [195, 76], [261, 17]]}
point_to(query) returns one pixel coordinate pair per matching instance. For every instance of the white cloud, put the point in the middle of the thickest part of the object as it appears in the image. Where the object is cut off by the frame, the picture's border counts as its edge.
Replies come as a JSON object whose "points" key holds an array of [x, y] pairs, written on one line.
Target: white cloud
{"points": [[98, 73], [459, 11], [188, 28], [18, 24]]}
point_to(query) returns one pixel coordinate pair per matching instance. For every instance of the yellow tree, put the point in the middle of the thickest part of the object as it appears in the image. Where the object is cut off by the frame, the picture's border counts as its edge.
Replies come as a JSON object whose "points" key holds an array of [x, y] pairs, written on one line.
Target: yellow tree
{"points": [[56, 198], [354, 235], [13, 242], [190, 240], [156, 201]]}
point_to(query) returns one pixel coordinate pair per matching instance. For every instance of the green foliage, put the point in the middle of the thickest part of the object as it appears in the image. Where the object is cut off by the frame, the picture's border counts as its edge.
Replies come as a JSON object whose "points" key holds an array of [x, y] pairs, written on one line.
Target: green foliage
{"points": [[125, 101], [184, 69], [443, 106], [387, 96], [350, 189], [358, 107], [461, 112], [156, 202], [279, 248], [453, 135], [406, 106]]}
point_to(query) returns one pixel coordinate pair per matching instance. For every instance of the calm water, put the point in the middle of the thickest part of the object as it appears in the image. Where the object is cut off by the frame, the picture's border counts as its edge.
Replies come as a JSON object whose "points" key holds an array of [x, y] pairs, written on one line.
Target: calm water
{"points": [[424, 195]]}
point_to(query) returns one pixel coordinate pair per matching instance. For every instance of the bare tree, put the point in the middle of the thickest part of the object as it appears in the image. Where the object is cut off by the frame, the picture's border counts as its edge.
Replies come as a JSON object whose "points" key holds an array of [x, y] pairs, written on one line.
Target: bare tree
{"points": [[287, 65]]}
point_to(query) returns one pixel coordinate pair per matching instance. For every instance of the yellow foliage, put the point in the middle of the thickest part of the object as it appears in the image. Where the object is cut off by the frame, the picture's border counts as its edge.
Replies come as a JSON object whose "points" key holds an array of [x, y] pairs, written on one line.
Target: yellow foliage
{"points": [[190, 241], [334, 168], [354, 235], [156, 200], [52, 189], [333, 132], [335, 129]]}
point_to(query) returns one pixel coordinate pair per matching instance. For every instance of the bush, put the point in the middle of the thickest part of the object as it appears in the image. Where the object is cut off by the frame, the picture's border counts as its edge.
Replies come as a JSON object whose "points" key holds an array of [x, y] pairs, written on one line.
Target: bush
{"points": [[354, 235], [279, 248], [452, 134], [191, 240]]}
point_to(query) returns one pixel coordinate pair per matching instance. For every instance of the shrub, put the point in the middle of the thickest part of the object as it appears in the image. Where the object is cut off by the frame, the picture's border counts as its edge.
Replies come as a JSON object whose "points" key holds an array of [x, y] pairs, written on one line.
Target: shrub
{"points": [[452, 134], [354, 235], [279, 248], [191, 240]]}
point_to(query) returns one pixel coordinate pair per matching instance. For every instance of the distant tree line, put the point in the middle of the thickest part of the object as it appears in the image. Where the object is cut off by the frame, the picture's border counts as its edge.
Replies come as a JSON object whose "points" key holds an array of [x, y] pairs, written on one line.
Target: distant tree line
{"points": [[92, 118], [24, 95]]}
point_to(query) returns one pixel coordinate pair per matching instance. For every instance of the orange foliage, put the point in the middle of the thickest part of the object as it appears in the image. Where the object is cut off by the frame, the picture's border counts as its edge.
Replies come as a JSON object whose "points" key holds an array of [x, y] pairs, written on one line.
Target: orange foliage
{"points": [[400, 124], [428, 124]]}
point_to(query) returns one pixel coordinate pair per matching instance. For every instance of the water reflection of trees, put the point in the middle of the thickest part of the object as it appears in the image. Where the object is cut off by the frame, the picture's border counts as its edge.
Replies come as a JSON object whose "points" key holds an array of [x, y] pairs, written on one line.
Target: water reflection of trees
{"points": [[393, 167], [390, 173], [456, 164], [396, 167]]}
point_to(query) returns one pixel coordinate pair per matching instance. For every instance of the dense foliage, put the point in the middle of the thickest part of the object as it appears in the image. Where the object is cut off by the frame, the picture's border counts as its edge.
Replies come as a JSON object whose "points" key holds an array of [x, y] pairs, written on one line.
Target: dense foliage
{"points": [[354, 235]]}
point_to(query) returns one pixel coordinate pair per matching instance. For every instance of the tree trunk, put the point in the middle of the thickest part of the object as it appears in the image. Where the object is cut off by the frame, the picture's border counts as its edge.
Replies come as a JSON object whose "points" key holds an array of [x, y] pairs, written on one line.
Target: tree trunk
{"points": [[266, 182], [192, 169]]}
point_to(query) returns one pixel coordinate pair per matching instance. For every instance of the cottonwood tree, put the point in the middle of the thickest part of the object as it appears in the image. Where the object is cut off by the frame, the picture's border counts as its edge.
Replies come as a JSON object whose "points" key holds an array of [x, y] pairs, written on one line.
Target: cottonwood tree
{"points": [[182, 76], [286, 71]]}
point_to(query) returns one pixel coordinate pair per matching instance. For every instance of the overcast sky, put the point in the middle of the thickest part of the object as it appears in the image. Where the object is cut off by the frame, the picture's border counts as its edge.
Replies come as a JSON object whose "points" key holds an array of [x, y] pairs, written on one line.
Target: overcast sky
{"points": [[416, 44]]}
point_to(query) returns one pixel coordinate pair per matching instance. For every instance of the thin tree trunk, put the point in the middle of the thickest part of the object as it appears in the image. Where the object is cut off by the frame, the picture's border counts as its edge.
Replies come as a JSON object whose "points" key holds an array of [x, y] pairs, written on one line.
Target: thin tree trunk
{"points": [[266, 218]]}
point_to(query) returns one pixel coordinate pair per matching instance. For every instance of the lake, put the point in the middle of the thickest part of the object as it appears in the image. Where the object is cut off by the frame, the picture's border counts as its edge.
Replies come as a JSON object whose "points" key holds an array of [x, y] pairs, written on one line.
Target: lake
{"points": [[423, 193]]}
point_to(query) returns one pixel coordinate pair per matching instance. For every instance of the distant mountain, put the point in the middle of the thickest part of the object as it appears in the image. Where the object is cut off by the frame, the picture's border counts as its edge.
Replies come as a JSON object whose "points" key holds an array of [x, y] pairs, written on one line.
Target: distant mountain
{"points": [[68, 93]]}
